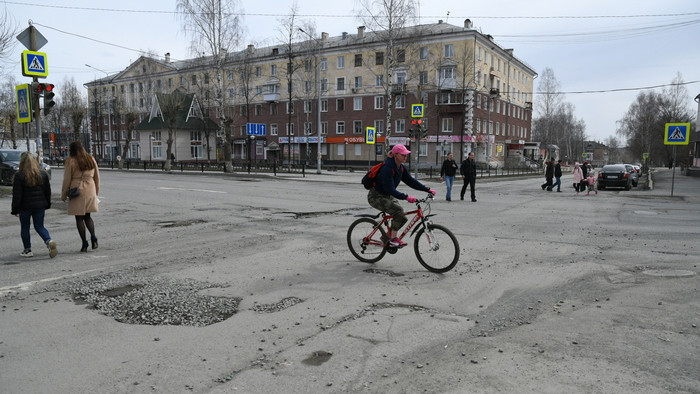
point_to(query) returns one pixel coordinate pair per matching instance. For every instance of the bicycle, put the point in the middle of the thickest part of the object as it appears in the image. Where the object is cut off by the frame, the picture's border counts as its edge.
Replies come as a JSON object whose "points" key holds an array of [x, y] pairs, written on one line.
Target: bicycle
{"points": [[435, 246]]}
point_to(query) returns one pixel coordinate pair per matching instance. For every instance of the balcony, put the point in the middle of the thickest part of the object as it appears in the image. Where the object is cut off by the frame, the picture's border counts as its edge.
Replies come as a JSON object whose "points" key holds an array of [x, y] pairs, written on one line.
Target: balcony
{"points": [[398, 88], [448, 84], [271, 97]]}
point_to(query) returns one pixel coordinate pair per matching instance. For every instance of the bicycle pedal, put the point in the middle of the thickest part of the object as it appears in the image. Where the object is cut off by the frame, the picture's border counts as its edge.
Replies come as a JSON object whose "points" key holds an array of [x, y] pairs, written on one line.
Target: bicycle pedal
{"points": [[392, 250]]}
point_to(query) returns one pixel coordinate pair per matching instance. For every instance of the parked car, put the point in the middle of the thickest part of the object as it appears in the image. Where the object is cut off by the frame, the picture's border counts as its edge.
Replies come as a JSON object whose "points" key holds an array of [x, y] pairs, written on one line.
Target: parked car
{"points": [[634, 175], [9, 164], [614, 175]]}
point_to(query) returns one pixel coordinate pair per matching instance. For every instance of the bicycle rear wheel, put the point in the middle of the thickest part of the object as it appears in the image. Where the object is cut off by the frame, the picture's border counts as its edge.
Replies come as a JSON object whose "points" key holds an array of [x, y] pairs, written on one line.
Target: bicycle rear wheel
{"points": [[365, 241], [436, 248]]}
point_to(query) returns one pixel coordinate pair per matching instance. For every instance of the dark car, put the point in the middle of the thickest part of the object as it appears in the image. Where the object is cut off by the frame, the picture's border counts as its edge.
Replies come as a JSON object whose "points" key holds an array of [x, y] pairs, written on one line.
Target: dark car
{"points": [[634, 175], [614, 175], [9, 164]]}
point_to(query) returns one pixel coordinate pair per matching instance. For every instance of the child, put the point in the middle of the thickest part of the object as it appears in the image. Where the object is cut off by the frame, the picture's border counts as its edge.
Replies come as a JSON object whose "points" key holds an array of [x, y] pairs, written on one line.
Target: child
{"points": [[591, 183]]}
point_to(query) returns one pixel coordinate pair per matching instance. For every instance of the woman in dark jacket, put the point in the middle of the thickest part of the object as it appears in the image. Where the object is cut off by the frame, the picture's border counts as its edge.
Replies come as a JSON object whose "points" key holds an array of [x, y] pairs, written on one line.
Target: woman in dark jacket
{"points": [[31, 197]]}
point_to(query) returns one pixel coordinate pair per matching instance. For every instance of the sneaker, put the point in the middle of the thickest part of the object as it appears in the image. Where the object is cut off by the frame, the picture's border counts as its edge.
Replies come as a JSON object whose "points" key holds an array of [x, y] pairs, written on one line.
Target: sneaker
{"points": [[397, 243], [52, 248], [27, 253]]}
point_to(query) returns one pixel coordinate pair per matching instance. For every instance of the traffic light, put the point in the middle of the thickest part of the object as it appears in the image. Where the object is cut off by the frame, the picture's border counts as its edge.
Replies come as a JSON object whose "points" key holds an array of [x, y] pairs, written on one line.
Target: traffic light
{"points": [[48, 98]]}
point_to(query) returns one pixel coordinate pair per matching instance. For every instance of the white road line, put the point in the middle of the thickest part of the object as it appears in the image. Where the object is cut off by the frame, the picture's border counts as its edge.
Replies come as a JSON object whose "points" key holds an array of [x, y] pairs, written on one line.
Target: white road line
{"points": [[192, 190], [27, 285]]}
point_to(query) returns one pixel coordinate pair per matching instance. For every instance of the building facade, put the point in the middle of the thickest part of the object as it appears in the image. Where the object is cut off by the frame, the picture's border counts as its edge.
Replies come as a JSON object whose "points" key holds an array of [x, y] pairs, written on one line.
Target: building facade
{"points": [[477, 96]]}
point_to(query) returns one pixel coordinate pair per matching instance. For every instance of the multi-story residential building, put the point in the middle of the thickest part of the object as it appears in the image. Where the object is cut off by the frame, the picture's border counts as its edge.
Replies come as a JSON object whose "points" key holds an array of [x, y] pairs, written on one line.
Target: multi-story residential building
{"points": [[476, 96]]}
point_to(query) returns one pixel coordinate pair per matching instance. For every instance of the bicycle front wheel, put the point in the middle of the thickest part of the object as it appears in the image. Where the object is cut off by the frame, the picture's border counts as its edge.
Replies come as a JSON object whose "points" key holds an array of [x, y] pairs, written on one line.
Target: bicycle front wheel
{"points": [[436, 248], [365, 240]]}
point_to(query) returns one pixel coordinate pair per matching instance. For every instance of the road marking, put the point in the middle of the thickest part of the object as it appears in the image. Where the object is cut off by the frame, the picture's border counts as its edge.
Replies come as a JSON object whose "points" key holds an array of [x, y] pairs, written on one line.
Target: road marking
{"points": [[192, 190], [27, 285]]}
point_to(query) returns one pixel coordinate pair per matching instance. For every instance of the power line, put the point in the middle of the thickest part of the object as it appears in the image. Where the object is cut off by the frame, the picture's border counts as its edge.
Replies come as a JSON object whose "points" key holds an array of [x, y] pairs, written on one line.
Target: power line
{"points": [[618, 89], [362, 15]]}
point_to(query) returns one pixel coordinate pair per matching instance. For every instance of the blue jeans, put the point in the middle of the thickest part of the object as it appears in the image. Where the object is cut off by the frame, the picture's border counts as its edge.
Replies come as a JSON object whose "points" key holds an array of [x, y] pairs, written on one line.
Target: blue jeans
{"points": [[449, 180], [557, 183], [36, 216]]}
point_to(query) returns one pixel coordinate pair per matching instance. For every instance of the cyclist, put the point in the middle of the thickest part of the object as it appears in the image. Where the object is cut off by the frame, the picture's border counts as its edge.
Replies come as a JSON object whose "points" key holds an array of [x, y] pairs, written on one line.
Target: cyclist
{"points": [[384, 196]]}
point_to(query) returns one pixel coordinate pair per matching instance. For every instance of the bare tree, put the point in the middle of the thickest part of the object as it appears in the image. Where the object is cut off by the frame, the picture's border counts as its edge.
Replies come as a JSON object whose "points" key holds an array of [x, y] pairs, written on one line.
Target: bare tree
{"points": [[74, 104], [170, 106], [8, 31], [8, 112], [642, 127], [613, 145], [215, 28], [388, 18]]}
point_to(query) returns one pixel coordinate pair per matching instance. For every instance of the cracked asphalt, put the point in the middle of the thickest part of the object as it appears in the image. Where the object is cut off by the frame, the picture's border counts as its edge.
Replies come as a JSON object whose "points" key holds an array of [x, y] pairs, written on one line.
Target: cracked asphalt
{"points": [[216, 283]]}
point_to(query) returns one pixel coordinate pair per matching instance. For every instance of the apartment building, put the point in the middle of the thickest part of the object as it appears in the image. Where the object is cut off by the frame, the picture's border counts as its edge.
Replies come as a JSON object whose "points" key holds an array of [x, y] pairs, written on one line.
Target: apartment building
{"points": [[477, 96]]}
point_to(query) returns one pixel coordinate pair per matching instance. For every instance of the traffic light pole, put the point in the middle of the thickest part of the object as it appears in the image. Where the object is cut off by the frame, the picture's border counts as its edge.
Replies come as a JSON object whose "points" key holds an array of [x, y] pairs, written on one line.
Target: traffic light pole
{"points": [[34, 47]]}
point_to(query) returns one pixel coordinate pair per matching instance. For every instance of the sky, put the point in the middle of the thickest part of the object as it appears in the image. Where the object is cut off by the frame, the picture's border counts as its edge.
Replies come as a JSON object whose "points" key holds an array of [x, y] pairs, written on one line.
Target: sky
{"points": [[603, 53]]}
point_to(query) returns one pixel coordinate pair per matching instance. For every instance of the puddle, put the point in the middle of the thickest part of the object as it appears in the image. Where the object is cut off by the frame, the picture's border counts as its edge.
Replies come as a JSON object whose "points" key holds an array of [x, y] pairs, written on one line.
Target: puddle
{"points": [[317, 358], [382, 272]]}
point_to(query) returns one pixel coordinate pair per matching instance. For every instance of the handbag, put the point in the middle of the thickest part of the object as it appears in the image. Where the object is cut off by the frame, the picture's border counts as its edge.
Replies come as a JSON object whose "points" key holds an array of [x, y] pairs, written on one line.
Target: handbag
{"points": [[73, 192]]}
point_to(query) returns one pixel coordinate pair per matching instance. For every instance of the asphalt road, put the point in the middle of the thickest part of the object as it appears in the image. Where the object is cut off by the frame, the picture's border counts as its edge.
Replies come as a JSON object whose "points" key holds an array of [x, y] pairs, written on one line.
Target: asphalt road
{"points": [[553, 292]]}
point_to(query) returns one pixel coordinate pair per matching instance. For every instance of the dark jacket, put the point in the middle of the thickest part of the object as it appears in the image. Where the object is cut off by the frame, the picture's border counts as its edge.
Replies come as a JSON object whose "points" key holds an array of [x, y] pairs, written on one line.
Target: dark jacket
{"points": [[468, 168], [390, 176], [449, 168], [557, 170], [549, 171], [30, 197]]}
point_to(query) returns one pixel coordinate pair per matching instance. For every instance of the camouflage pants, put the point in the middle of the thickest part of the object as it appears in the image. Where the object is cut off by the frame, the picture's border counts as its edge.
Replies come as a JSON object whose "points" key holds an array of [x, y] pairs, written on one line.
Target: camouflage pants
{"points": [[390, 205]]}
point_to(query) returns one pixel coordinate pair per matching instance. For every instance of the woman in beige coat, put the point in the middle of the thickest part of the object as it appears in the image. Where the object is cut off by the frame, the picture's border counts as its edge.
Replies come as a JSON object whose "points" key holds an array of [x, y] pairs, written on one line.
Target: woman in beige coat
{"points": [[81, 171]]}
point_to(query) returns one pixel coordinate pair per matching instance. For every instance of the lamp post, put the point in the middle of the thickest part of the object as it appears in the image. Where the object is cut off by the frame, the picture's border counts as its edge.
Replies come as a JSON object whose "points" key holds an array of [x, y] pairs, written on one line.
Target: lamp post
{"points": [[318, 100], [109, 114], [150, 147]]}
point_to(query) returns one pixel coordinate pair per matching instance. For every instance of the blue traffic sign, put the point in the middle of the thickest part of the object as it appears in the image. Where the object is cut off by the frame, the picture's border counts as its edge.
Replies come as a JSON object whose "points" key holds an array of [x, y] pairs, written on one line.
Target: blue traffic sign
{"points": [[677, 134], [34, 64], [417, 110], [256, 129]]}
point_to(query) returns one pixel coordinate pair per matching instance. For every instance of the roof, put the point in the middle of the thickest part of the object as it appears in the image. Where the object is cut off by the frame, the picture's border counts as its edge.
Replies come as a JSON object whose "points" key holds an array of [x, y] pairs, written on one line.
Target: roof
{"points": [[188, 117]]}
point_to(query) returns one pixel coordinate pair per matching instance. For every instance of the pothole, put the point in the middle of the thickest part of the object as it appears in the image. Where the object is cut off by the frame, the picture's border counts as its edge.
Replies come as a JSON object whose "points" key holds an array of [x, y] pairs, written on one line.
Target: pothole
{"points": [[669, 273], [153, 301], [180, 223], [278, 306], [317, 358], [382, 272]]}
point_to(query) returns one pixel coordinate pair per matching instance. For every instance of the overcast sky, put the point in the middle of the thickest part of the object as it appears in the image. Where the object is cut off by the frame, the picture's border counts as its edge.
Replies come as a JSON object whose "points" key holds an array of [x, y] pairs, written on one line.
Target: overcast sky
{"points": [[597, 46]]}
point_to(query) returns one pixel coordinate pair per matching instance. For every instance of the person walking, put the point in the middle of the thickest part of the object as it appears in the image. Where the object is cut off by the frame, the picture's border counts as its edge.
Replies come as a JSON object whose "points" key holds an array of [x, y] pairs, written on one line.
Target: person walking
{"points": [[557, 176], [31, 197], [578, 177], [548, 175], [447, 173], [81, 171], [468, 172]]}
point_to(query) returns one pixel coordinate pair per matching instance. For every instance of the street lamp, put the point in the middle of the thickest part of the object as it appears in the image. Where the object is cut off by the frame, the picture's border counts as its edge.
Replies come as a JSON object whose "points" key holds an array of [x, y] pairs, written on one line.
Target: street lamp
{"points": [[150, 147], [109, 114], [318, 100]]}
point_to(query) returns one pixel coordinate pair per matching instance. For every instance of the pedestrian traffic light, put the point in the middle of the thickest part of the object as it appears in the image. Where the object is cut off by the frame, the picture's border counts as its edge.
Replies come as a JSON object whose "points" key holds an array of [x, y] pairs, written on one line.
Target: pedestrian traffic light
{"points": [[48, 98]]}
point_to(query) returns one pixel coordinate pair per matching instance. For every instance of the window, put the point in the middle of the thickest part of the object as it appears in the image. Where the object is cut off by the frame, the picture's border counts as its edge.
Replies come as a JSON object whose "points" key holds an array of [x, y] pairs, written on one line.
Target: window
{"points": [[378, 102], [447, 72], [290, 108], [449, 51], [244, 110], [324, 85], [324, 63], [308, 85], [446, 98], [341, 61], [423, 53], [357, 103], [358, 60], [379, 58], [194, 82], [290, 128], [340, 104], [358, 82], [357, 127], [324, 128], [307, 106], [307, 128], [379, 80], [273, 69], [273, 109], [340, 83], [379, 126], [447, 125], [341, 149], [273, 129], [423, 77], [258, 71], [324, 105], [400, 126], [401, 77], [258, 109], [195, 144], [340, 127], [400, 102], [401, 56]]}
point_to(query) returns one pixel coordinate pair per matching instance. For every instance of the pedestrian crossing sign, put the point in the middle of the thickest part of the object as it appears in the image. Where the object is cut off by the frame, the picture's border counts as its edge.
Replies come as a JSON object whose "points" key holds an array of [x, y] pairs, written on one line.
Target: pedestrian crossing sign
{"points": [[370, 135], [35, 64], [417, 110], [677, 134]]}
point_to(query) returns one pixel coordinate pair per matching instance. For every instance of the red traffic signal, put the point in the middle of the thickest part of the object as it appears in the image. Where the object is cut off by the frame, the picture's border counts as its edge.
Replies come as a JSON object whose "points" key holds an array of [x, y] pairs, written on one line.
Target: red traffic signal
{"points": [[416, 121], [40, 88]]}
